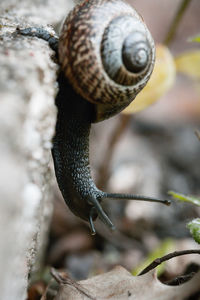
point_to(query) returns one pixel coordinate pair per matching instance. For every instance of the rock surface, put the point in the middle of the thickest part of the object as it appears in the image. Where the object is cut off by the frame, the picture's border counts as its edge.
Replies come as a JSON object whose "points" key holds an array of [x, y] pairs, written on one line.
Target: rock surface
{"points": [[27, 119]]}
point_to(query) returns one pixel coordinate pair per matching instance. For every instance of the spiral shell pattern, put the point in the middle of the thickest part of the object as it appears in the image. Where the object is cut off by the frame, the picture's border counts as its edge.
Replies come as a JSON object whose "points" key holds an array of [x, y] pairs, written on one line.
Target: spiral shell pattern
{"points": [[107, 53]]}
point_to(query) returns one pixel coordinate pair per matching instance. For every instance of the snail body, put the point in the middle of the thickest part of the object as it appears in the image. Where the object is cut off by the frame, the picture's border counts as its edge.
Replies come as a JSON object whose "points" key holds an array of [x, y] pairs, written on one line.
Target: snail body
{"points": [[71, 151], [106, 56]]}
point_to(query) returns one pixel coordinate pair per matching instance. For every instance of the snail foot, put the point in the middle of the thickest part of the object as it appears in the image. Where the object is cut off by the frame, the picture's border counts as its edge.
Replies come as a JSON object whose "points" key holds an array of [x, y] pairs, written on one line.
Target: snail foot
{"points": [[40, 33]]}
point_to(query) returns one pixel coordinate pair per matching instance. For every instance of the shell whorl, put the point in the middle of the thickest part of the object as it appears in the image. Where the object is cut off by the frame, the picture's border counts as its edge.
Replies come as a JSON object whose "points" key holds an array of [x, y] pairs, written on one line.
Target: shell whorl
{"points": [[125, 50], [107, 53]]}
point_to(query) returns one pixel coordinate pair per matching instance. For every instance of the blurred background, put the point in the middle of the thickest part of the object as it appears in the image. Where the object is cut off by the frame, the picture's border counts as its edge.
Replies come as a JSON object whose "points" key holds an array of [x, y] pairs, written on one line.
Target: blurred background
{"points": [[154, 151]]}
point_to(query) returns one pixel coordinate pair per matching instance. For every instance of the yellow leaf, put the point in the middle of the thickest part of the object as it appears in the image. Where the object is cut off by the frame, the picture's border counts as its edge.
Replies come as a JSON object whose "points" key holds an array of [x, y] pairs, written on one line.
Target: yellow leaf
{"points": [[189, 63], [195, 39], [162, 79]]}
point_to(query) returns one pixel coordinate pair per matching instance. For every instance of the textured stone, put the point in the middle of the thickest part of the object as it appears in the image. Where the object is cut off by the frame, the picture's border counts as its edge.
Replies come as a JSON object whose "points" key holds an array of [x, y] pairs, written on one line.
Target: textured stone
{"points": [[27, 119]]}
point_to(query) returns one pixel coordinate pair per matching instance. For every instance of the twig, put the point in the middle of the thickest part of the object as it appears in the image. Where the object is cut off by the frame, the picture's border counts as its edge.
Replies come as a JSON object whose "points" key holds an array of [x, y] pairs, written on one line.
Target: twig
{"points": [[104, 169], [47, 290], [176, 21], [160, 260], [180, 279]]}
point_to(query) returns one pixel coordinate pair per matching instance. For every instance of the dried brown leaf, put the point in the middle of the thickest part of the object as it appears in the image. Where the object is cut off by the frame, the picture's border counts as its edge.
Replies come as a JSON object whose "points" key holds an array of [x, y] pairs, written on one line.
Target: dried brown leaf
{"points": [[119, 284]]}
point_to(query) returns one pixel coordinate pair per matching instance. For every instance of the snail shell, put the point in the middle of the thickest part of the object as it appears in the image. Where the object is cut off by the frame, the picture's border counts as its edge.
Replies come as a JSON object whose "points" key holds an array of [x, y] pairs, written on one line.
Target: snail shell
{"points": [[107, 54]]}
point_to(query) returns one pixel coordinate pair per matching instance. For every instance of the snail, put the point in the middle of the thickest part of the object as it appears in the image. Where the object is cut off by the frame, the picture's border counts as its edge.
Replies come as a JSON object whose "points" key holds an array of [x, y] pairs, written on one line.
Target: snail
{"points": [[106, 56]]}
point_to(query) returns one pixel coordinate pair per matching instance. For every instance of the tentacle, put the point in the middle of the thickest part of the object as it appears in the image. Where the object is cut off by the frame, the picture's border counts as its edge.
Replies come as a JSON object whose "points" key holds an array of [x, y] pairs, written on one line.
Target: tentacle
{"points": [[135, 197], [99, 210], [92, 211]]}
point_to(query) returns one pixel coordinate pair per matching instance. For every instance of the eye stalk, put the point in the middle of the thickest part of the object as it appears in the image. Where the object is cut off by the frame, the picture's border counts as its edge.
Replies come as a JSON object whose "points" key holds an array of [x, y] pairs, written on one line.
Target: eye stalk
{"points": [[135, 52]]}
